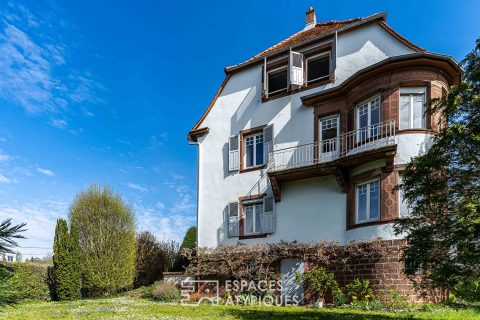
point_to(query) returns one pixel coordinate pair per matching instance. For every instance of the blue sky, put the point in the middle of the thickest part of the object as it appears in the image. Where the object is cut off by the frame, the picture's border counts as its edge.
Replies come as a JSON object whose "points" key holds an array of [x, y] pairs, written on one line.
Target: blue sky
{"points": [[105, 92]]}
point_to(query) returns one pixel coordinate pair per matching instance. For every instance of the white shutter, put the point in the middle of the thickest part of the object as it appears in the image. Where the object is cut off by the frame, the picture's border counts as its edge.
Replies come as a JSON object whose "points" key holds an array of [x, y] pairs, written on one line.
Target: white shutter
{"points": [[267, 141], [334, 54], [265, 75], [268, 215], [233, 153], [233, 219], [296, 68]]}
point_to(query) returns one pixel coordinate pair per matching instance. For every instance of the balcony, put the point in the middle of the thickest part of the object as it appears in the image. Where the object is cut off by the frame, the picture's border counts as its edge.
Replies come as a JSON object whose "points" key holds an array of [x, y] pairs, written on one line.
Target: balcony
{"points": [[333, 156]]}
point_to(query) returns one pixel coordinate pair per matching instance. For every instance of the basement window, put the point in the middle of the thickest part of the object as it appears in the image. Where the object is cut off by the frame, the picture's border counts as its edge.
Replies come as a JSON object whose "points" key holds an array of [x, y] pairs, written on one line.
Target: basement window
{"points": [[277, 80], [318, 68]]}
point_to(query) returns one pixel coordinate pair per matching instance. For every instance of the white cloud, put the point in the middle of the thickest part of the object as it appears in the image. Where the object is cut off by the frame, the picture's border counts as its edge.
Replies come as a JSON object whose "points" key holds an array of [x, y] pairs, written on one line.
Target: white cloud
{"points": [[36, 74], [59, 123], [4, 157], [4, 179], [136, 187], [46, 172]]}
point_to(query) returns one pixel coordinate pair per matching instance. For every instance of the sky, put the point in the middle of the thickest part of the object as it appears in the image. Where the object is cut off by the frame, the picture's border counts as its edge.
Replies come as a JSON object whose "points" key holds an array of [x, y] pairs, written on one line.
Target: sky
{"points": [[105, 92]]}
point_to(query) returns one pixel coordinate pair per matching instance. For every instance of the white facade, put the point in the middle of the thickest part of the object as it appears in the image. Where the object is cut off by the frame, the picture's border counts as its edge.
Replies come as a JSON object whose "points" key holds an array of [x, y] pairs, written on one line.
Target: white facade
{"points": [[310, 209], [8, 257]]}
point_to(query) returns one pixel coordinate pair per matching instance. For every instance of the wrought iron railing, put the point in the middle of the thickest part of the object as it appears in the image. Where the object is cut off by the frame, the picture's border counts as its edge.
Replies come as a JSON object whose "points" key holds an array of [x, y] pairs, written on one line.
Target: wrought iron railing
{"points": [[364, 139]]}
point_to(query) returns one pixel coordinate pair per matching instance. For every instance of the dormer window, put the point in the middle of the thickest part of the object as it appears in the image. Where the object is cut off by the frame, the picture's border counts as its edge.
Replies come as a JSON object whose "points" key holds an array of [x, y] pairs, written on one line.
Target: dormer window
{"points": [[277, 80], [318, 68]]}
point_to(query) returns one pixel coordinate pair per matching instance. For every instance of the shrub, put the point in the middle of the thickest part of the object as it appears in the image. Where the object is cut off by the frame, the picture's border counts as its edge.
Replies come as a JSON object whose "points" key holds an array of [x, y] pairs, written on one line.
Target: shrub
{"points": [[165, 292], [27, 281], [468, 290], [319, 281], [67, 258], [339, 298], [359, 290], [150, 260], [106, 226], [8, 291], [189, 242], [394, 299]]}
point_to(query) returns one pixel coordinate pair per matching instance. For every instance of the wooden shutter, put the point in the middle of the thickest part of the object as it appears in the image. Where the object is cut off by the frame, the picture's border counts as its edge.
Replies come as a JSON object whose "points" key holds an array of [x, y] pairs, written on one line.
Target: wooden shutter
{"points": [[268, 215], [267, 141], [296, 68], [233, 219], [233, 153]]}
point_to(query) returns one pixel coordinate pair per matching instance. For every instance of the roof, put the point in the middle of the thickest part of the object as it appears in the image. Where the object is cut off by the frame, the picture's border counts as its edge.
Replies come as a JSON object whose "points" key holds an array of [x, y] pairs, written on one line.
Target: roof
{"points": [[321, 30]]}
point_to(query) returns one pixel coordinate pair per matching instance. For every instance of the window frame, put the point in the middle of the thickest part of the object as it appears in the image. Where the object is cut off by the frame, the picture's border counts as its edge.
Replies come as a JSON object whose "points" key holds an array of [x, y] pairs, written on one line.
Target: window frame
{"points": [[254, 204], [254, 135], [318, 56], [368, 101], [400, 198], [268, 80], [368, 182], [410, 108]]}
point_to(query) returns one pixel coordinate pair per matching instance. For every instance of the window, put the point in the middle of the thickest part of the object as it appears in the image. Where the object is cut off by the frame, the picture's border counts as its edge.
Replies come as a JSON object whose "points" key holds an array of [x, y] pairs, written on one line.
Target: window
{"points": [[254, 155], [318, 68], [277, 80], [253, 218], [9, 258], [403, 205], [368, 116], [412, 108], [368, 201], [329, 130]]}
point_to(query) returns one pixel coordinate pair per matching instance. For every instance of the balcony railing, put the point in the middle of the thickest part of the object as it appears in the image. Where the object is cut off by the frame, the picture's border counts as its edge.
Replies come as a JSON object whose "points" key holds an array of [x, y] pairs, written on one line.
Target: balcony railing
{"points": [[353, 142]]}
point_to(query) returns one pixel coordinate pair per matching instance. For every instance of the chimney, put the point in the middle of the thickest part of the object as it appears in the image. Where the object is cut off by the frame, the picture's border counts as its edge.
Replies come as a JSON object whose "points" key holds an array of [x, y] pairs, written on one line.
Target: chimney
{"points": [[311, 19]]}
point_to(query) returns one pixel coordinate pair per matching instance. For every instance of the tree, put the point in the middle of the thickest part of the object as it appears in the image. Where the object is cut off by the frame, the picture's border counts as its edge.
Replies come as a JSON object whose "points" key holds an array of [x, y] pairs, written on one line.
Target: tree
{"points": [[189, 242], [442, 188], [106, 227], [8, 234], [149, 260], [66, 262]]}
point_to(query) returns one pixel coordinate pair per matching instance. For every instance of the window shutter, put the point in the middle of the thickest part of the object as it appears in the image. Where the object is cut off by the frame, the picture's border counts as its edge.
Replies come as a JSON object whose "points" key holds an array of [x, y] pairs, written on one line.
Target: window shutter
{"points": [[267, 141], [296, 68], [334, 54], [233, 153], [268, 215], [264, 77], [233, 220]]}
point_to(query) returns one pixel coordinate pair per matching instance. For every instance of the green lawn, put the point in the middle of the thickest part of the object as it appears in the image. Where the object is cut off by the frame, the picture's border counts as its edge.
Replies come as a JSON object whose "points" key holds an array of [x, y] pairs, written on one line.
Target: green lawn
{"points": [[136, 308]]}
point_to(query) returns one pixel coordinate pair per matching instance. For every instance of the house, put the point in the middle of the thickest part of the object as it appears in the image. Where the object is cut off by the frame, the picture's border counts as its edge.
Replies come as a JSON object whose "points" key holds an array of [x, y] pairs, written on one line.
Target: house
{"points": [[9, 257], [306, 140]]}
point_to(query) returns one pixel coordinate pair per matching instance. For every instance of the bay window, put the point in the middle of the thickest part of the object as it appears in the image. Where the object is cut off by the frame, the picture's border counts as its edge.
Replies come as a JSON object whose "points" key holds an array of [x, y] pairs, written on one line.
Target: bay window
{"points": [[368, 116], [412, 108], [368, 201]]}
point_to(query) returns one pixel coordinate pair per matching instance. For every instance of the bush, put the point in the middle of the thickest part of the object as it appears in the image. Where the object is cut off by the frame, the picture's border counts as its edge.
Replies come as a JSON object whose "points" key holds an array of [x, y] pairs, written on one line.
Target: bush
{"points": [[319, 281], [339, 298], [150, 260], [359, 290], [106, 226], [23, 281], [468, 290], [165, 292], [394, 299]]}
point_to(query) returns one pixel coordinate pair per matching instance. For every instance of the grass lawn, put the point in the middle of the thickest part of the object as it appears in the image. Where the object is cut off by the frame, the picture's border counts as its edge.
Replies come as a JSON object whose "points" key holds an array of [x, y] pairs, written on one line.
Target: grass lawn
{"points": [[136, 308]]}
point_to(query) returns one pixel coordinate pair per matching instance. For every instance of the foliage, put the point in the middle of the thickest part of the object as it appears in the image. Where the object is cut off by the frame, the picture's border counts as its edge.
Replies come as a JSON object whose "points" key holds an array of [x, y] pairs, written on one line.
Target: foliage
{"points": [[67, 262], [106, 226], [170, 249], [359, 290], [135, 308], [339, 298], [467, 290], [233, 262], [8, 234], [394, 299], [8, 291], [189, 242], [165, 292], [442, 187], [149, 260], [28, 280], [319, 281]]}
